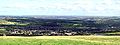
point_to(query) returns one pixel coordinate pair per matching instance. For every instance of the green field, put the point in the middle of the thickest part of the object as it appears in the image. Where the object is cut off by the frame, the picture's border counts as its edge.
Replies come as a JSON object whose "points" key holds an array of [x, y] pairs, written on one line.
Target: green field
{"points": [[60, 40]]}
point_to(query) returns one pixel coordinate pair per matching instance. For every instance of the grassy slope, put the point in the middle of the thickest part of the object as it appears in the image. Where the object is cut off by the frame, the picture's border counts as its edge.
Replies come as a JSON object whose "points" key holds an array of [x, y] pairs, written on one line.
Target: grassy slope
{"points": [[6, 22], [113, 33], [2, 29], [61, 40]]}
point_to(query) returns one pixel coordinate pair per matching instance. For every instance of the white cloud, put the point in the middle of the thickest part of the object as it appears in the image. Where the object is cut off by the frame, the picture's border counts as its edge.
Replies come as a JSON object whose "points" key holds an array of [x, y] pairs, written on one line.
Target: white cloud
{"points": [[18, 5], [72, 6]]}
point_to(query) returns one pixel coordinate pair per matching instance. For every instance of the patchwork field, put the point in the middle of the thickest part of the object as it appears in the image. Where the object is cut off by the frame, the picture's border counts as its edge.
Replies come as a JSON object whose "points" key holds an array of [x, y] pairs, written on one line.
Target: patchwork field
{"points": [[60, 40]]}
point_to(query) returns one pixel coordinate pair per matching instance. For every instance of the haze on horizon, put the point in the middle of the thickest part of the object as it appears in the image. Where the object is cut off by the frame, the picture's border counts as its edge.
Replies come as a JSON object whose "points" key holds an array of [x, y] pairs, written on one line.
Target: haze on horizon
{"points": [[60, 7]]}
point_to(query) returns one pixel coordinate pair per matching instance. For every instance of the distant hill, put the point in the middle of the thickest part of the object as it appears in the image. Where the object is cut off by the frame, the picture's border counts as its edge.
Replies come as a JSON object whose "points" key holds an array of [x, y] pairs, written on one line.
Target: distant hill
{"points": [[6, 22]]}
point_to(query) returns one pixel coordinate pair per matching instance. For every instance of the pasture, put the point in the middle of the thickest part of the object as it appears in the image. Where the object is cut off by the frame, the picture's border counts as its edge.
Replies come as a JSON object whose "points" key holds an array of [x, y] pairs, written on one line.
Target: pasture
{"points": [[60, 40]]}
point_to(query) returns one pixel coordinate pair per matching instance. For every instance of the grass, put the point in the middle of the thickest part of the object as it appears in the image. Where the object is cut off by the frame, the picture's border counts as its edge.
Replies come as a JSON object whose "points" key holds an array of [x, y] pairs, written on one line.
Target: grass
{"points": [[6, 22], [60, 40], [113, 33], [2, 29]]}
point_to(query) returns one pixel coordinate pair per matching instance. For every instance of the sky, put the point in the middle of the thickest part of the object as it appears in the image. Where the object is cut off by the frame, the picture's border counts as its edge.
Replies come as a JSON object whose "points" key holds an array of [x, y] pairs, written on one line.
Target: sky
{"points": [[60, 7]]}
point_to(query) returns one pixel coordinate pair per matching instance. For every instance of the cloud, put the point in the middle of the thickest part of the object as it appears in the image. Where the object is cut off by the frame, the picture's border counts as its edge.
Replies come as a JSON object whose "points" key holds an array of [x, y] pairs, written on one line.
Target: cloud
{"points": [[47, 7]]}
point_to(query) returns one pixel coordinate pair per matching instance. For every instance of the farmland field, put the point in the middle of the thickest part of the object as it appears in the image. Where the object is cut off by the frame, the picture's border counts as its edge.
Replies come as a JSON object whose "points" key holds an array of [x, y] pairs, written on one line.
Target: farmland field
{"points": [[60, 40]]}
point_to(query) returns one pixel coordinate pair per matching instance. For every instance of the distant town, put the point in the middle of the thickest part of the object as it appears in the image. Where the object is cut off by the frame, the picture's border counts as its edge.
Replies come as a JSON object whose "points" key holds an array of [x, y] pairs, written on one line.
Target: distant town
{"points": [[59, 25]]}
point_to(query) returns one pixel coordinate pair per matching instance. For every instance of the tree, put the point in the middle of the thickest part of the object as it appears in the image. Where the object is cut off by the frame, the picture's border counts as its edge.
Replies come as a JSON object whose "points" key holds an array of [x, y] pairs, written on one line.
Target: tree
{"points": [[3, 32]]}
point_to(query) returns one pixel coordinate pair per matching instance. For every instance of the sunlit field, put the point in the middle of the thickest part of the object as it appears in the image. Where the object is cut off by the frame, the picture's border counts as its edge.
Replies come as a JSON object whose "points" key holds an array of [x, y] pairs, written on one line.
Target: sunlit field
{"points": [[60, 40]]}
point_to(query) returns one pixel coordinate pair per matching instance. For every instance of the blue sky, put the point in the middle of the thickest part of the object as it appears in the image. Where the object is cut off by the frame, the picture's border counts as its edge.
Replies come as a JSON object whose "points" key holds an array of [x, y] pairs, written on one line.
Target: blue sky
{"points": [[60, 7]]}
